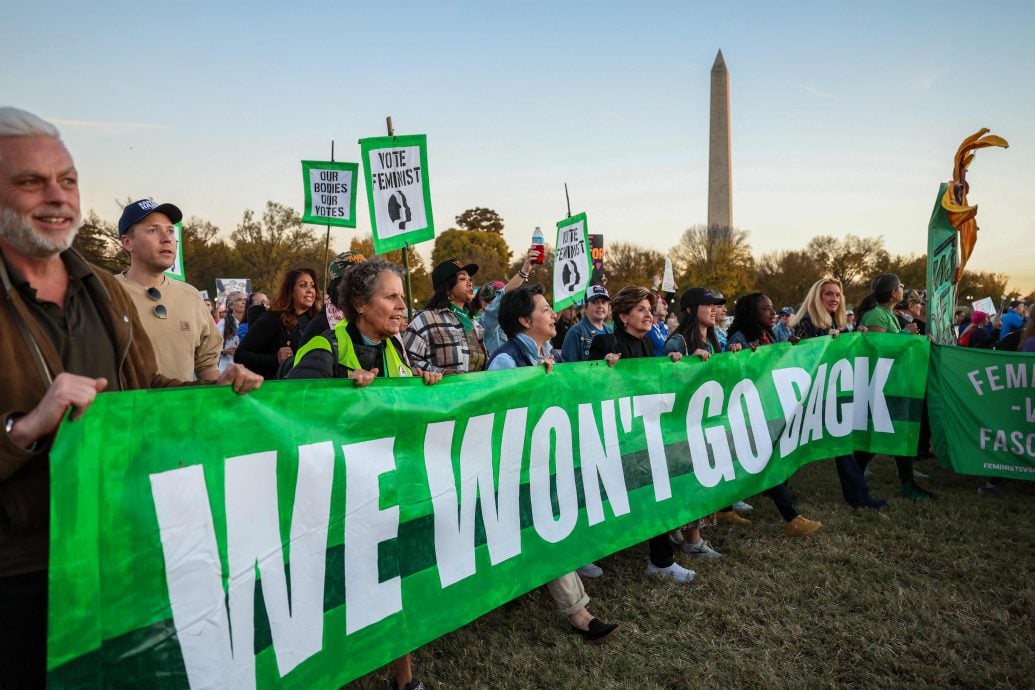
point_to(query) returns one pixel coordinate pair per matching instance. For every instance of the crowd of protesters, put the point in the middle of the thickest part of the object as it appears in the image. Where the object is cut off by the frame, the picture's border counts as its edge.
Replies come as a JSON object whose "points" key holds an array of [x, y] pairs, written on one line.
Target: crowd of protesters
{"points": [[123, 338]]}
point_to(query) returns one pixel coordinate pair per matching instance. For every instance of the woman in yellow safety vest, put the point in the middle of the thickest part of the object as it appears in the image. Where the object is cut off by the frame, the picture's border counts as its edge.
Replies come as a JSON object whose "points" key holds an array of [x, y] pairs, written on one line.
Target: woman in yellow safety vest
{"points": [[362, 347], [365, 345]]}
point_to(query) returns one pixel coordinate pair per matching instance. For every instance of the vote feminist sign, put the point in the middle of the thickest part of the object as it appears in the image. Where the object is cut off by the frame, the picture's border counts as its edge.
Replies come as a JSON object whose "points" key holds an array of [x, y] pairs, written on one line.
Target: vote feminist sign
{"points": [[396, 171], [572, 263], [329, 197]]}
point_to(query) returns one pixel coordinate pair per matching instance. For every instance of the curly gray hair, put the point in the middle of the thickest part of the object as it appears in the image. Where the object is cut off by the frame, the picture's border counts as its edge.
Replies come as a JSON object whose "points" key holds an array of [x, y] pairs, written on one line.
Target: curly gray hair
{"points": [[359, 282]]}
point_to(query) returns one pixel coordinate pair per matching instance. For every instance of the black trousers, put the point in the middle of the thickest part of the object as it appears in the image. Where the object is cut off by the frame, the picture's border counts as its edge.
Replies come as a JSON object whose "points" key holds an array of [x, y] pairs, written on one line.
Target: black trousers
{"points": [[903, 464], [781, 497], [23, 631], [661, 551]]}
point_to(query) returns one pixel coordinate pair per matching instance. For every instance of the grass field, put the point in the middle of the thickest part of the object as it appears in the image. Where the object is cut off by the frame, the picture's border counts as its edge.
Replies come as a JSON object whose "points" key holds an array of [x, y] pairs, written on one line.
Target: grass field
{"points": [[919, 595]]}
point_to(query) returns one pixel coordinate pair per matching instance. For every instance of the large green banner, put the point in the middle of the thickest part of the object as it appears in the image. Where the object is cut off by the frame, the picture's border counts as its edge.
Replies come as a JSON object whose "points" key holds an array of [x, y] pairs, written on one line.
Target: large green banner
{"points": [[305, 534], [982, 410]]}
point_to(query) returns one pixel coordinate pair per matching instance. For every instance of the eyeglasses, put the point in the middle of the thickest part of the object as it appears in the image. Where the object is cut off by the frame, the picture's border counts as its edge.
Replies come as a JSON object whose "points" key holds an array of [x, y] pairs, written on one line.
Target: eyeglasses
{"points": [[159, 311]]}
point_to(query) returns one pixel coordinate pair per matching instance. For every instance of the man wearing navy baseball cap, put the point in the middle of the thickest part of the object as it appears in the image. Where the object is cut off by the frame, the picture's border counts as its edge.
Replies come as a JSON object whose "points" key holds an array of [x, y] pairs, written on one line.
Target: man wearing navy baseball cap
{"points": [[185, 338]]}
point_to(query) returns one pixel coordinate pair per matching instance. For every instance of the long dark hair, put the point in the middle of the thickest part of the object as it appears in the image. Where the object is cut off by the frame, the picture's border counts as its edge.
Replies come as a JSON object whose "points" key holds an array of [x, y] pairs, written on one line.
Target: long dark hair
{"points": [[690, 330], [745, 319], [440, 300], [284, 302], [230, 322], [881, 290]]}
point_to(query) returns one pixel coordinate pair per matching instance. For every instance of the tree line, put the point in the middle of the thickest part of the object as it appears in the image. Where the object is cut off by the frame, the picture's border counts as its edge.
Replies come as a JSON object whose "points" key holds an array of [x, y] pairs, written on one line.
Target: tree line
{"points": [[264, 247]]}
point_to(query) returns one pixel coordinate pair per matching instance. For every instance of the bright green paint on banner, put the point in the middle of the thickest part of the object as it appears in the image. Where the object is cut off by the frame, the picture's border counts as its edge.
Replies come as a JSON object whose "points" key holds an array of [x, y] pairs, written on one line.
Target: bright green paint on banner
{"points": [[162, 521], [942, 261], [982, 410]]}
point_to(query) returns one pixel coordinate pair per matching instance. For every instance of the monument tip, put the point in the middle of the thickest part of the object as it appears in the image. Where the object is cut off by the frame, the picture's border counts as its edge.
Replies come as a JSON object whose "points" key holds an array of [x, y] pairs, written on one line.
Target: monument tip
{"points": [[719, 63]]}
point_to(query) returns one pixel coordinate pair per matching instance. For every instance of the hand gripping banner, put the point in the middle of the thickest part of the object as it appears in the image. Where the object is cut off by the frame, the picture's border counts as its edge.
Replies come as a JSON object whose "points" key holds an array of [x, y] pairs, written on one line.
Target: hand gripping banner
{"points": [[305, 534]]}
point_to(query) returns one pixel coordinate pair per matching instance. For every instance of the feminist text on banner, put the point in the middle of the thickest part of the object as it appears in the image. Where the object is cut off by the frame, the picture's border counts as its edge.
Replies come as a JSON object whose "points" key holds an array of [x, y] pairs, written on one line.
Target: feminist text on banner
{"points": [[942, 261], [396, 170], [596, 249], [982, 410], [330, 197], [572, 266], [176, 271], [340, 533]]}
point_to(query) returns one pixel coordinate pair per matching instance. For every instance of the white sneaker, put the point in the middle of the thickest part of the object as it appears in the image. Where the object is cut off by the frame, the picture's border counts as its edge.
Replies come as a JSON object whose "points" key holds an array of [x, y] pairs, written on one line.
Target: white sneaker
{"points": [[590, 570], [676, 537], [917, 474], [675, 572], [742, 507], [702, 550]]}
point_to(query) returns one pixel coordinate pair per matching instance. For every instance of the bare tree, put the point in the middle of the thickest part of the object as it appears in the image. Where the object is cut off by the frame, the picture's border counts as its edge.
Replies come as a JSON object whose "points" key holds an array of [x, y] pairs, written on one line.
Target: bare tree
{"points": [[715, 257]]}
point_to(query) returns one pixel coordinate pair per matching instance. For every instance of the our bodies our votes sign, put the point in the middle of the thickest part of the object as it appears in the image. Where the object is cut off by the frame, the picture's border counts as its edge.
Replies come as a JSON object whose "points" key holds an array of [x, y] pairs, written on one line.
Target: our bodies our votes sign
{"points": [[396, 171], [176, 270], [329, 193], [573, 265]]}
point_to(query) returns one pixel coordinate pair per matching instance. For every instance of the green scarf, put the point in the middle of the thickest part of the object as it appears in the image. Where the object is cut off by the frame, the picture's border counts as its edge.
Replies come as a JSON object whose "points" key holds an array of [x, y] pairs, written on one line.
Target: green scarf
{"points": [[464, 316]]}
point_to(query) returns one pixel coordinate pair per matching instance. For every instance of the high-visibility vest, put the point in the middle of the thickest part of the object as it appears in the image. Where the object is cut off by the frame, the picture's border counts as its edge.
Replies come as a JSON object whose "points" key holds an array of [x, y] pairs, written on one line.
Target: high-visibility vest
{"points": [[338, 341]]}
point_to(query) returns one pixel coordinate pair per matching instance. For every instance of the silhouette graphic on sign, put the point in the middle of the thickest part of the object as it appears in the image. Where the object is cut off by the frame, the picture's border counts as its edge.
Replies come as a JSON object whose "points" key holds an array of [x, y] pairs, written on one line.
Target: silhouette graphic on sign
{"points": [[398, 210], [571, 277]]}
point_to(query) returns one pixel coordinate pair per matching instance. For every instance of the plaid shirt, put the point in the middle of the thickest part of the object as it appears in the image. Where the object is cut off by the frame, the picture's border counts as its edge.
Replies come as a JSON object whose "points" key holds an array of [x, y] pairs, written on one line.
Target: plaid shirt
{"points": [[435, 341]]}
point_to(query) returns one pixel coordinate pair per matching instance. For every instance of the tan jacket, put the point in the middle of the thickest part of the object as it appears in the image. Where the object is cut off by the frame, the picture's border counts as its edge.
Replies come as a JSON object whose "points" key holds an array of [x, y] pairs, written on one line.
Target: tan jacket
{"points": [[28, 362]]}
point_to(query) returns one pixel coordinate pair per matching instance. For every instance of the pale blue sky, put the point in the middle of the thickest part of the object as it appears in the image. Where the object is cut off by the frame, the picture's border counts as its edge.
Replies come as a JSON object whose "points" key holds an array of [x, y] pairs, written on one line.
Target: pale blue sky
{"points": [[845, 115]]}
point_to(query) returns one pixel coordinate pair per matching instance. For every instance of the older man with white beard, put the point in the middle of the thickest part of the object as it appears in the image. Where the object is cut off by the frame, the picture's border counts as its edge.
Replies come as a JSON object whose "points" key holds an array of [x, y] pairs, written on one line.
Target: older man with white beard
{"points": [[67, 332]]}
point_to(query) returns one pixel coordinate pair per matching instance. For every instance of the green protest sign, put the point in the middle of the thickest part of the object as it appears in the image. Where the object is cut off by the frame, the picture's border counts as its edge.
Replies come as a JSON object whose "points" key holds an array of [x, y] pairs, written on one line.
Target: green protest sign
{"points": [[396, 171], [330, 197], [176, 271], [573, 263], [982, 410], [942, 261], [349, 526]]}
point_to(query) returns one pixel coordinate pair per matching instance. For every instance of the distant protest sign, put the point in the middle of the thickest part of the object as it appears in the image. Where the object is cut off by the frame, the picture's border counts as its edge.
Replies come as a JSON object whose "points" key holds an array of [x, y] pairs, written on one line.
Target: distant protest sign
{"points": [[176, 270], [986, 305], [982, 411], [572, 265], [596, 248], [396, 171], [339, 533], [329, 193], [668, 283], [224, 286]]}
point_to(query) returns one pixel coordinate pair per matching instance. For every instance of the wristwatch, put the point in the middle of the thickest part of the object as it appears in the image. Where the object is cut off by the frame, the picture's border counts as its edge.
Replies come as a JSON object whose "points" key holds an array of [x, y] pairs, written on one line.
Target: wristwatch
{"points": [[9, 427]]}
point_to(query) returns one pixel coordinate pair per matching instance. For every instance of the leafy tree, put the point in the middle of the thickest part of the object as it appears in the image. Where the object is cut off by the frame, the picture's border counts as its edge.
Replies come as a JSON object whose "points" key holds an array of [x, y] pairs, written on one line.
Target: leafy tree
{"points": [[271, 246], [480, 220], [98, 242], [911, 270], [206, 256], [786, 276], [628, 264], [420, 279], [487, 249], [852, 260], [975, 285], [714, 257]]}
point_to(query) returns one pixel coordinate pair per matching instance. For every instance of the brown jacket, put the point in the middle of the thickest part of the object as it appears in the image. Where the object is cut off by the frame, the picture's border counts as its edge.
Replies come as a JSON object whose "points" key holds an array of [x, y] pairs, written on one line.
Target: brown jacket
{"points": [[28, 362]]}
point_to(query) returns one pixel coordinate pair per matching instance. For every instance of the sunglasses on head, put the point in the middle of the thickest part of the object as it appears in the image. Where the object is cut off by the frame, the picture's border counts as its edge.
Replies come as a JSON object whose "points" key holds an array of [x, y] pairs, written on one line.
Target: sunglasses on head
{"points": [[159, 310]]}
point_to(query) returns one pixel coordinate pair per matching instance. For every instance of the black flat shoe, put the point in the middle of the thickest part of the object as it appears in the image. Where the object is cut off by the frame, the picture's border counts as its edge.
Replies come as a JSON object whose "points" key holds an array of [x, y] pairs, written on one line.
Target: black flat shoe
{"points": [[598, 630]]}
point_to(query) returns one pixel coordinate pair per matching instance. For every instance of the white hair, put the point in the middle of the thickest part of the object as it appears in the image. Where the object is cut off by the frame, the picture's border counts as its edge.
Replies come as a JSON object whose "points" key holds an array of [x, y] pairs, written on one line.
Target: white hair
{"points": [[21, 123]]}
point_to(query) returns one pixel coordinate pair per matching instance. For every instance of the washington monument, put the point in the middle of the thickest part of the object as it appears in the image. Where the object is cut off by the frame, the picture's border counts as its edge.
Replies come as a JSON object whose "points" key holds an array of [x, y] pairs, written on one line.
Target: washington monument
{"points": [[720, 196]]}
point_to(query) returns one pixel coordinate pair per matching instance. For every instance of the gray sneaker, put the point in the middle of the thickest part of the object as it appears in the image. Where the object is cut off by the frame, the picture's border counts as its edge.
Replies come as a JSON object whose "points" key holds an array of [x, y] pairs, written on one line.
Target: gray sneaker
{"points": [[702, 550], [590, 570], [743, 507]]}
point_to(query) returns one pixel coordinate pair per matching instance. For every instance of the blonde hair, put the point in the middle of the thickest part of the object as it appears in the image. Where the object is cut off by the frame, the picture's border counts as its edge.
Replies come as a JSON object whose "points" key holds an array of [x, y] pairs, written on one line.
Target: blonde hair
{"points": [[813, 306]]}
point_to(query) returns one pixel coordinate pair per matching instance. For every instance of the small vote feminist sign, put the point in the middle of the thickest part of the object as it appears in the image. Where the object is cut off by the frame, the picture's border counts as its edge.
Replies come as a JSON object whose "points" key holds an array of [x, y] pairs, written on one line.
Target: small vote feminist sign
{"points": [[572, 262], [396, 171], [329, 194]]}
